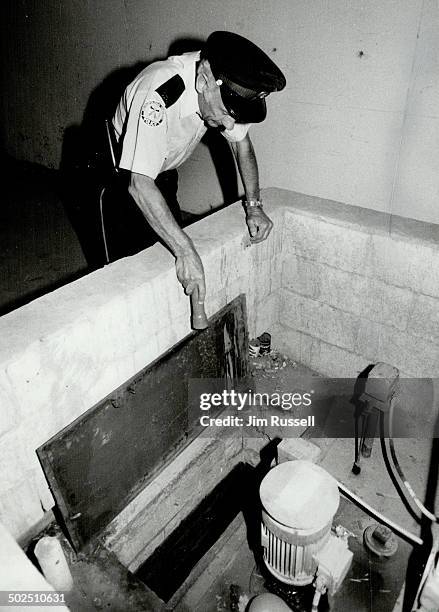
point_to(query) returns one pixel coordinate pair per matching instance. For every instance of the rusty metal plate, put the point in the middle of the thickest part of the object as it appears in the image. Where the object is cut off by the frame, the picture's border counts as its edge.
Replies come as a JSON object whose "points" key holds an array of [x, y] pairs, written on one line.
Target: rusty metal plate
{"points": [[98, 463]]}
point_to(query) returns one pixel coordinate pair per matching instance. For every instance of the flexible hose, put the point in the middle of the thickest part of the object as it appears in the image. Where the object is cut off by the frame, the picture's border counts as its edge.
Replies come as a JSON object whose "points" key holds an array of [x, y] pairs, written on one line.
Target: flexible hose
{"points": [[398, 468], [398, 486], [403, 533]]}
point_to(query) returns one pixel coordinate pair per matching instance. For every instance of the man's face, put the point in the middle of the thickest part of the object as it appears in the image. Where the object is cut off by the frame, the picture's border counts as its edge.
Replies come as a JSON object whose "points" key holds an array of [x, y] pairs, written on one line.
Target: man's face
{"points": [[212, 109]]}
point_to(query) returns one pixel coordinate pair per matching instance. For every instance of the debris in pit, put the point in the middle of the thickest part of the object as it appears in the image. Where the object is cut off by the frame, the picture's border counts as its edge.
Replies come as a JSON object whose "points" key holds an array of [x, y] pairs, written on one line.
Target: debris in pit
{"points": [[271, 362], [238, 600]]}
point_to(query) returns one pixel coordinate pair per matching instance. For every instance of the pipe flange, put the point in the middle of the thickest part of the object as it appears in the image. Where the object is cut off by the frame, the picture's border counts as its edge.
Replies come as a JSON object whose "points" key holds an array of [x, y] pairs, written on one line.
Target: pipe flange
{"points": [[380, 540]]}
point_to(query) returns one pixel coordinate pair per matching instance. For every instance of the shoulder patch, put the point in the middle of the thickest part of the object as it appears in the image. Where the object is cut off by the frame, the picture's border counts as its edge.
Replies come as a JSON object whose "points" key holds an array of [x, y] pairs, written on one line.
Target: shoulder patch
{"points": [[171, 90], [152, 112]]}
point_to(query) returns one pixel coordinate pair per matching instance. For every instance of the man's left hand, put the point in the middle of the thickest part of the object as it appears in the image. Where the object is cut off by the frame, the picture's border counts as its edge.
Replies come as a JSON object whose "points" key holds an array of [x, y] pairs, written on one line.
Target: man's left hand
{"points": [[259, 224]]}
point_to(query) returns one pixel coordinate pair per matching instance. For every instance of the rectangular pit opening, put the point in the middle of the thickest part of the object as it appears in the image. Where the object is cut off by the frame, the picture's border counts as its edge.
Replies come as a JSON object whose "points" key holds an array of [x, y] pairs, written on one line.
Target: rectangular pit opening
{"points": [[171, 563]]}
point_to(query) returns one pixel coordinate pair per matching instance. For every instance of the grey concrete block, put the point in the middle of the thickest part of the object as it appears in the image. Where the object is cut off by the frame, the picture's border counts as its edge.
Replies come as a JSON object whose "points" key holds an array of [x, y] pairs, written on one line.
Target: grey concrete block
{"points": [[340, 247], [318, 320], [368, 340], [293, 343], [302, 276], [327, 359], [424, 320], [410, 354], [430, 273], [399, 263], [267, 314], [384, 303], [336, 362], [347, 291]]}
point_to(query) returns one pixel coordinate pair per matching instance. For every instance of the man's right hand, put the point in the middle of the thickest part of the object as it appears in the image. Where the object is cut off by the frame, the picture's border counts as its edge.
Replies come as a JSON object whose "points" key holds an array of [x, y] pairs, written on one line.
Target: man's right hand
{"points": [[190, 273]]}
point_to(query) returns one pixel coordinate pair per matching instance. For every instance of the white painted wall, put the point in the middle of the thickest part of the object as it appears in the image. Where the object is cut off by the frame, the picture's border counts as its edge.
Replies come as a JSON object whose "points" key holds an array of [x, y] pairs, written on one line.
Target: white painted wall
{"points": [[358, 128], [416, 189]]}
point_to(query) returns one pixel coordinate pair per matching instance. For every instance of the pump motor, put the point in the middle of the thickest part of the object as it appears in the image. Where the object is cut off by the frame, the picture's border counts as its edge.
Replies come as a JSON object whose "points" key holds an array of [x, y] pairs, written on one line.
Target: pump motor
{"points": [[299, 501]]}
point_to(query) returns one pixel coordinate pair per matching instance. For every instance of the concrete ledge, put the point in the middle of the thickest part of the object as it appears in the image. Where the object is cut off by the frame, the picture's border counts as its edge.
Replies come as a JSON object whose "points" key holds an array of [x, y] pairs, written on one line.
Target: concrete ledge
{"points": [[355, 217]]}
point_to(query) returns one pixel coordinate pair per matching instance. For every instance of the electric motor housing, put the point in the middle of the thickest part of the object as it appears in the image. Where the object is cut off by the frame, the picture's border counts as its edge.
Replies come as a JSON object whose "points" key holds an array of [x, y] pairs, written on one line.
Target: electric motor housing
{"points": [[299, 501]]}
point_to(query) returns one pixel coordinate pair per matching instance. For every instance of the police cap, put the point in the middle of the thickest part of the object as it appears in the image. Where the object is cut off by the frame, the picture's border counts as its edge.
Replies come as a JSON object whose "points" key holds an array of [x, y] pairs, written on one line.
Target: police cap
{"points": [[245, 73]]}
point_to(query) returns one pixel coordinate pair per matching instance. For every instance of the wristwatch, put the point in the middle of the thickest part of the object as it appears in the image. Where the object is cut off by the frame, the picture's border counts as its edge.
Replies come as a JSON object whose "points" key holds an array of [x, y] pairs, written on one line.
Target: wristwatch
{"points": [[252, 204]]}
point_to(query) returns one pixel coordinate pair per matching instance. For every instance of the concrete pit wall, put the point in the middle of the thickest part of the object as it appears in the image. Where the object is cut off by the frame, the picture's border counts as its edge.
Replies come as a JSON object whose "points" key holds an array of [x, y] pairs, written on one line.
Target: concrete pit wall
{"points": [[64, 352], [357, 287], [339, 287]]}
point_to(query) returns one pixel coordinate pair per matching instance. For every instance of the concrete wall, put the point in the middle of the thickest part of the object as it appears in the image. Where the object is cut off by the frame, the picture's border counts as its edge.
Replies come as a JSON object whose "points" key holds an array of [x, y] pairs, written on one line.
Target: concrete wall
{"points": [[358, 287], [64, 352], [358, 123], [340, 287]]}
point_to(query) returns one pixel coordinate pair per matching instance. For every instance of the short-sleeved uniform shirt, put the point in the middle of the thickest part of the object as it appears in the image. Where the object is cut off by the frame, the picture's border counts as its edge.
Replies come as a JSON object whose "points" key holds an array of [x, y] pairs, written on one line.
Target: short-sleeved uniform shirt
{"points": [[155, 138]]}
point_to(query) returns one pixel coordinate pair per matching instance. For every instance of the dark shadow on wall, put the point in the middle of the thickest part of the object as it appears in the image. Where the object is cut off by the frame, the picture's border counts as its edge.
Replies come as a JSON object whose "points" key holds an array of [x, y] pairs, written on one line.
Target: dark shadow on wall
{"points": [[39, 251], [86, 164]]}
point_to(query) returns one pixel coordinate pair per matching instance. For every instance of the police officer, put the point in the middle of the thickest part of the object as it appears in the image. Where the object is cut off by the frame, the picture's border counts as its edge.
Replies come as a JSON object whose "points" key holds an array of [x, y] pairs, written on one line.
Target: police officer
{"points": [[163, 115]]}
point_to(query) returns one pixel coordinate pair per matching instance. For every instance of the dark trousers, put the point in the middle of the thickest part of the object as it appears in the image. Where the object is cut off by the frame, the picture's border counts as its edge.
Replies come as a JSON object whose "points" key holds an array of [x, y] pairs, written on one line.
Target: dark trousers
{"points": [[126, 230]]}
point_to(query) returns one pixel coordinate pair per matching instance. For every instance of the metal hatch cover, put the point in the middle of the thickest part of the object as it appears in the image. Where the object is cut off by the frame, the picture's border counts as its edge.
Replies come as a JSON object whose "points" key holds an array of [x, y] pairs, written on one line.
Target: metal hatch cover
{"points": [[96, 465]]}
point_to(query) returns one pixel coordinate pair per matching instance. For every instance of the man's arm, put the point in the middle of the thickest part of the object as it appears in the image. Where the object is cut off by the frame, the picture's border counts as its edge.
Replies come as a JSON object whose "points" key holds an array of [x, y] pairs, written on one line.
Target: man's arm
{"points": [[188, 264], [258, 223]]}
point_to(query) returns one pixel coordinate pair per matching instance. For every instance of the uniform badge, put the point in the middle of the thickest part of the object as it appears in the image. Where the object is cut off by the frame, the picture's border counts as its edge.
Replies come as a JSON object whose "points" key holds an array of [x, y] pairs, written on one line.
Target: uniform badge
{"points": [[152, 113]]}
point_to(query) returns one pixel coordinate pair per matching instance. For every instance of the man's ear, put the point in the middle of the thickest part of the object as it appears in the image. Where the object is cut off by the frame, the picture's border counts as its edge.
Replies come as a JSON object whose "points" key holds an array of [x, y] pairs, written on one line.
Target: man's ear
{"points": [[205, 79], [201, 83]]}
